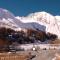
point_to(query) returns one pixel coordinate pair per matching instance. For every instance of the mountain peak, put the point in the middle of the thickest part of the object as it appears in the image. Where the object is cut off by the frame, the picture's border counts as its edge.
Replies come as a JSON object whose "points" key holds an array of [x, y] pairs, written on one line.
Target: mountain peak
{"points": [[38, 14], [44, 16], [5, 14], [1, 9]]}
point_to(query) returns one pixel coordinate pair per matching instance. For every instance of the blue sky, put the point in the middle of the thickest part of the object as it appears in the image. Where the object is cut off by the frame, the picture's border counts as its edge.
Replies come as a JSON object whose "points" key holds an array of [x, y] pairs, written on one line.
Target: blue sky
{"points": [[25, 7]]}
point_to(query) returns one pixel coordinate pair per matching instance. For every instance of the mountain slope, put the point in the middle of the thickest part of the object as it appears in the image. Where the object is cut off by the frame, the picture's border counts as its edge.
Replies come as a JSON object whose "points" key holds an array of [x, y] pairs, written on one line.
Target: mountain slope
{"points": [[7, 19], [37, 21], [52, 23]]}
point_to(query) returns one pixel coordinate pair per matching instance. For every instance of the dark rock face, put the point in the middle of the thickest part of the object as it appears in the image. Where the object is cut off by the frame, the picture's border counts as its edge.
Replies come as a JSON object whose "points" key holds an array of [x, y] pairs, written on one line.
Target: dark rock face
{"points": [[37, 35], [51, 36], [25, 37], [33, 35]]}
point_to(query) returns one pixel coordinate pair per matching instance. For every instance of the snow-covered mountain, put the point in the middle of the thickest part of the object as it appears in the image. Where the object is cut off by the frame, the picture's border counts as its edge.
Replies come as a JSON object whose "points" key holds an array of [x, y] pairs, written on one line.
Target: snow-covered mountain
{"points": [[50, 22], [39, 21], [7, 19]]}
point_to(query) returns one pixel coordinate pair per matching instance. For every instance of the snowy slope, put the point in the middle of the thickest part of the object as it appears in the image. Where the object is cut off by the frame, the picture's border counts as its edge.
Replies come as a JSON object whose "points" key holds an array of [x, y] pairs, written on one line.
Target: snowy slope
{"points": [[7, 19], [52, 23], [39, 20]]}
